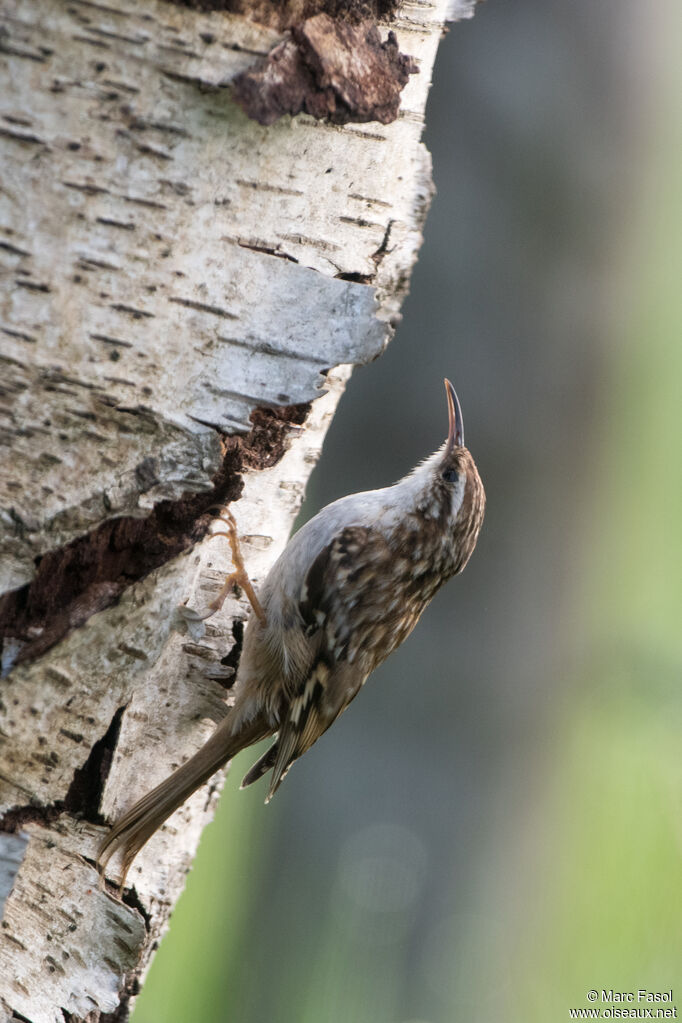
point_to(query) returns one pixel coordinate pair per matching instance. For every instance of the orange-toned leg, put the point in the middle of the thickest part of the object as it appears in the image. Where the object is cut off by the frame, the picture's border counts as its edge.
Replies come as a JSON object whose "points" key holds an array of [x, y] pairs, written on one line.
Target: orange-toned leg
{"points": [[240, 576]]}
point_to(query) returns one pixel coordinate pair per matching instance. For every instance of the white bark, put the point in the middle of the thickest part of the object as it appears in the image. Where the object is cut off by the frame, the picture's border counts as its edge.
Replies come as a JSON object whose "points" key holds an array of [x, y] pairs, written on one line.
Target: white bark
{"points": [[167, 266]]}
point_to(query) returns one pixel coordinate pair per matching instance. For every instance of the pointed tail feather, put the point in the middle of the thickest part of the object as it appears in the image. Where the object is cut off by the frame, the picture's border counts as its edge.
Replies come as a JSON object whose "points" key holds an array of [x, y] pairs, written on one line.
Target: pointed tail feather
{"points": [[271, 758], [261, 767], [279, 773], [139, 823]]}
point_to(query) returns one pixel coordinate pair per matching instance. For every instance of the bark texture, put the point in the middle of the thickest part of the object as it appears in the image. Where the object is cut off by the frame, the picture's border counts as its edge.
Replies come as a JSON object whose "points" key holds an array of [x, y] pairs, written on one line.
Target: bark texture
{"points": [[330, 69], [178, 286]]}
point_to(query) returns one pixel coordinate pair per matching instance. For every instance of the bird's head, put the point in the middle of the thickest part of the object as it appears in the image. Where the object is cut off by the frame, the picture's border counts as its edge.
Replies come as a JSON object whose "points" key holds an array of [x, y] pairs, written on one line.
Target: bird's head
{"points": [[447, 490]]}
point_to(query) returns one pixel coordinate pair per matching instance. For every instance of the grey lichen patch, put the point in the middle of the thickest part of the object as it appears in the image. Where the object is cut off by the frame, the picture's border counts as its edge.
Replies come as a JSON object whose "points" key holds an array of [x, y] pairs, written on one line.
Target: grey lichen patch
{"points": [[335, 71]]}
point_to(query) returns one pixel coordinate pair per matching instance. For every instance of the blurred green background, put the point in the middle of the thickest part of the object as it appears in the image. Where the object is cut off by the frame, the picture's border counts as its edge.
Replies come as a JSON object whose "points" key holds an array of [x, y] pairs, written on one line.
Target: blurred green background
{"points": [[495, 826]]}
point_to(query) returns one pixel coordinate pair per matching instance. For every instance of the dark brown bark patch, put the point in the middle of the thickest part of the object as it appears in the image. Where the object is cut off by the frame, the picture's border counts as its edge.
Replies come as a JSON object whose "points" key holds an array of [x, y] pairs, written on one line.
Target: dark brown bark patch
{"points": [[12, 821], [285, 13], [90, 573], [333, 70]]}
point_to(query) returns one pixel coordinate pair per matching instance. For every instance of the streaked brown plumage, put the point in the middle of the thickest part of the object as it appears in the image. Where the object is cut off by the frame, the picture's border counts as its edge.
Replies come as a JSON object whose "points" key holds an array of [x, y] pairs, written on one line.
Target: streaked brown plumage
{"points": [[348, 588]]}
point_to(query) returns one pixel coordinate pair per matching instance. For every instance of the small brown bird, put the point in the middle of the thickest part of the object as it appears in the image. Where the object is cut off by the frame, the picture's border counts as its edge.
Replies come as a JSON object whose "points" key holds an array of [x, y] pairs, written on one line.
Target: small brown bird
{"points": [[348, 588]]}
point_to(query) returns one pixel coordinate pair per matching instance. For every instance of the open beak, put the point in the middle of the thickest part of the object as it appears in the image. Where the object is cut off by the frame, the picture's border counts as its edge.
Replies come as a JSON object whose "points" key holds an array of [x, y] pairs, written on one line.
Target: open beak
{"points": [[456, 423]]}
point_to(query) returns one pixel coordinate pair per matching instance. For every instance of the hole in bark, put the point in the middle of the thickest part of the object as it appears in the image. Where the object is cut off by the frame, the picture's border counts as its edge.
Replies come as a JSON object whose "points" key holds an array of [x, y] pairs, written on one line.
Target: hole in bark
{"points": [[231, 660], [130, 897], [85, 792], [90, 573], [356, 278]]}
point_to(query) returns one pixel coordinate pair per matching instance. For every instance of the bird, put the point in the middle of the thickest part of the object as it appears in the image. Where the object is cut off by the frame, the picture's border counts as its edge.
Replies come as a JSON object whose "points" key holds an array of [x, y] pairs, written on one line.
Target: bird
{"points": [[348, 588]]}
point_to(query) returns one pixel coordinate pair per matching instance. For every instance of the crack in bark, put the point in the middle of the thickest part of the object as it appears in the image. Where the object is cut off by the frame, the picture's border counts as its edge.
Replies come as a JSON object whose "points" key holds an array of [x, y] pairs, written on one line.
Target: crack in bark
{"points": [[268, 250], [90, 573], [83, 797], [87, 787], [130, 897], [231, 660], [355, 277], [376, 257]]}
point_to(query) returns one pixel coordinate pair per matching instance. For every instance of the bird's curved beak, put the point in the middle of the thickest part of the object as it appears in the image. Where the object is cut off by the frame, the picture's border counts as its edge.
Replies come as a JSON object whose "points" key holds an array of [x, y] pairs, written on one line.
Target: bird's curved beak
{"points": [[456, 423]]}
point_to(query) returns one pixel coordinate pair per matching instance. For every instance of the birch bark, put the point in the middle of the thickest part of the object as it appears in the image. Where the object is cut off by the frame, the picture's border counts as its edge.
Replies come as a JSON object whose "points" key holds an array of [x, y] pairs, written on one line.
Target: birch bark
{"points": [[179, 287]]}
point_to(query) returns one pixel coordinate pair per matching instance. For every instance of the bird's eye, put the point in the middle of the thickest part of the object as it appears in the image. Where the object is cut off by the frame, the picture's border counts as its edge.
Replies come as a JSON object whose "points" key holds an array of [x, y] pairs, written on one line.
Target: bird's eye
{"points": [[450, 475]]}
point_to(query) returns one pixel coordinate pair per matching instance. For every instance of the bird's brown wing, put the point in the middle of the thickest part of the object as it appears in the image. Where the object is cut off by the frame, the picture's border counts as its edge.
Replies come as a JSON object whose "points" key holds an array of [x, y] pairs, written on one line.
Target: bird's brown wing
{"points": [[339, 610], [345, 601]]}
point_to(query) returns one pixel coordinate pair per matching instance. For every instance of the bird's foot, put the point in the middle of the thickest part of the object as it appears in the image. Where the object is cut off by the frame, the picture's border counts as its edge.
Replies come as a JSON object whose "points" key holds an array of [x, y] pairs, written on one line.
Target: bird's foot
{"points": [[240, 576]]}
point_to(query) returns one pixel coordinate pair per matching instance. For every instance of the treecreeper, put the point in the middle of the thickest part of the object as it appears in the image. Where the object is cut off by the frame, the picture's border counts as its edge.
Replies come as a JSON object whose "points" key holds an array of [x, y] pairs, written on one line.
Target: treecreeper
{"points": [[348, 588]]}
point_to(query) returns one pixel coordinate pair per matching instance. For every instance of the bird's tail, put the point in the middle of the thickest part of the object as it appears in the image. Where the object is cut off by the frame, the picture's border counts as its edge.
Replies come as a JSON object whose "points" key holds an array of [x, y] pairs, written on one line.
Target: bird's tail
{"points": [[138, 825], [262, 766]]}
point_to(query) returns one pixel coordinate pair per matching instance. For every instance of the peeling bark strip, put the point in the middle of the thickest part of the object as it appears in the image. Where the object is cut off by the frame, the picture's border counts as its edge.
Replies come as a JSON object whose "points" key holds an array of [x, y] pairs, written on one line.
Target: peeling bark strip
{"points": [[90, 573], [167, 266], [331, 70]]}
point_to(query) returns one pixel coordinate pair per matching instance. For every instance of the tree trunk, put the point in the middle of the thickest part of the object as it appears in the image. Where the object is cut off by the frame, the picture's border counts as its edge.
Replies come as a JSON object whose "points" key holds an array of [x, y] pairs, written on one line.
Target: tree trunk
{"points": [[179, 283]]}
